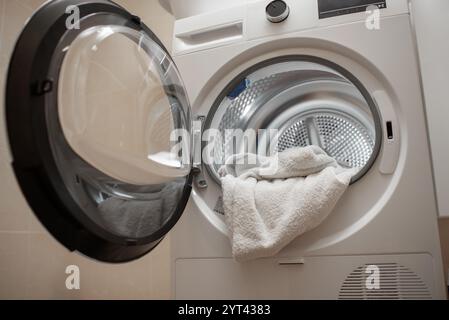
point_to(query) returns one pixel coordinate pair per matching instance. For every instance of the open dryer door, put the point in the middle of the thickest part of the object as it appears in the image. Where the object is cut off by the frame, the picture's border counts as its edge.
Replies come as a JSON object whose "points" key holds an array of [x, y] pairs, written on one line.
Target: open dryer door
{"points": [[99, 128]]}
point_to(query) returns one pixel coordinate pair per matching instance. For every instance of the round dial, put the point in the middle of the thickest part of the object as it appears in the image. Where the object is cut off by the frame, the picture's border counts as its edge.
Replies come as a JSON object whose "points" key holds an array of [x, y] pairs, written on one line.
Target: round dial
{"points": [[277, 11]]}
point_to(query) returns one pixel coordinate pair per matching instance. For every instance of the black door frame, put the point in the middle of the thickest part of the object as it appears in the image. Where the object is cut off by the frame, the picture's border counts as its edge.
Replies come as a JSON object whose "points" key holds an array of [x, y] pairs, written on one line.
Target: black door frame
{"points": [[31, 86]]}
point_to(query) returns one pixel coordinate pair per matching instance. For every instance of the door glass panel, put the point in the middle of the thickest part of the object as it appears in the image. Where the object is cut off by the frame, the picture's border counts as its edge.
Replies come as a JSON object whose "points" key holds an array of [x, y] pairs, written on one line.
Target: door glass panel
{"points": [[119, 105], [120, 131]]}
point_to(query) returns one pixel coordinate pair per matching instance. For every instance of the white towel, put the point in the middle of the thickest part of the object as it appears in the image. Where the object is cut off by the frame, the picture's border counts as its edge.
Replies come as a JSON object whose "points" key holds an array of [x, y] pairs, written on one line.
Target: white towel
{"points": [[274, 200]]}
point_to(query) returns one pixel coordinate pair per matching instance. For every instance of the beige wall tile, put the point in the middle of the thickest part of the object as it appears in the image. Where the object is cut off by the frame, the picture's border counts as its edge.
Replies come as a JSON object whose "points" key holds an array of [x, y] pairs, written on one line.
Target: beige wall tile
{"points": [[32, 263], [32, 4], [16, 15], [2, 19], [14, 212], [13, 266], [160, 271], [46, 271], [4, 154], [3, 67], [47, 261]]}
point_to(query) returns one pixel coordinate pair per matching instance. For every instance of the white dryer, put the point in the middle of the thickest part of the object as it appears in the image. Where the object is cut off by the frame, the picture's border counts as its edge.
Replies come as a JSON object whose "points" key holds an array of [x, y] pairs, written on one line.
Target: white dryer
{"points": [[95, 157], [323, 73]]}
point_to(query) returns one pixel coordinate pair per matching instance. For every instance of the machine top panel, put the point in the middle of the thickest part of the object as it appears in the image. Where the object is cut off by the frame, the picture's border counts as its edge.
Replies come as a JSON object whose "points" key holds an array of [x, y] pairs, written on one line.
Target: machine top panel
{"points": [[248, 21]]}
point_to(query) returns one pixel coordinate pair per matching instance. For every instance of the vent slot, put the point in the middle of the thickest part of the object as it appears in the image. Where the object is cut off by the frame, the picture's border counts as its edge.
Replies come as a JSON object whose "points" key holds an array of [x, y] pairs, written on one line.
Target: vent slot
{"points": [[214, 34], [396, 283]]}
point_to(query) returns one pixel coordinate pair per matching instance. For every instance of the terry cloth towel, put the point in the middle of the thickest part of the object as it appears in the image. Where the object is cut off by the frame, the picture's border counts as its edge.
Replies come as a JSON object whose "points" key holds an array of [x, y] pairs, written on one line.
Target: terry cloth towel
{"points": [[270, 201], [138, 219]]}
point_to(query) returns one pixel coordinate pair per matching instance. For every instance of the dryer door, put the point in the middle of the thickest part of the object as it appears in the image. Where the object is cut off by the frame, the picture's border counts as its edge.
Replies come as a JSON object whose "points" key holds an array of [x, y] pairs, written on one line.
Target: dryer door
{"points": [[99, 128]]}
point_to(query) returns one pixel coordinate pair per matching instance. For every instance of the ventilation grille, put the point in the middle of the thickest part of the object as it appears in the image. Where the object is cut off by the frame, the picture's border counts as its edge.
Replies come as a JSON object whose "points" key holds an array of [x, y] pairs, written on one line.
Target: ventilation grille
{"points": [[395, 283]]}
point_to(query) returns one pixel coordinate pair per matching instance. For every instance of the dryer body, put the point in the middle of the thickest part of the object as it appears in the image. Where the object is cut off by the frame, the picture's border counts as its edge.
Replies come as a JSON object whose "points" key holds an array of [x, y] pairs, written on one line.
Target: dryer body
{"points": [[387, 218]]}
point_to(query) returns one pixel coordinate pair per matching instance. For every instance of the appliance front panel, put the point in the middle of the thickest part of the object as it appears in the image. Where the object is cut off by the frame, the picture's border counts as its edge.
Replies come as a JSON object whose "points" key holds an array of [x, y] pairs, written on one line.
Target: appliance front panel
{"points": [[370, 219], [395, 277]]}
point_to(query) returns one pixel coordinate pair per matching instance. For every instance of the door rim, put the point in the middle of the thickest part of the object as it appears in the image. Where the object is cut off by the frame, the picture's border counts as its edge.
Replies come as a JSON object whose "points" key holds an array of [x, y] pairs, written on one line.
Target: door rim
{"points": [[29, 86], [374, 109]]}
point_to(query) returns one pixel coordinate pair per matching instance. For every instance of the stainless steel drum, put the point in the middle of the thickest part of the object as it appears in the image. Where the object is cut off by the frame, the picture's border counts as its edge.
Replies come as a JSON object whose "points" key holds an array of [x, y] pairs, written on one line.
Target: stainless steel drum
{"points": [[307, 101]]}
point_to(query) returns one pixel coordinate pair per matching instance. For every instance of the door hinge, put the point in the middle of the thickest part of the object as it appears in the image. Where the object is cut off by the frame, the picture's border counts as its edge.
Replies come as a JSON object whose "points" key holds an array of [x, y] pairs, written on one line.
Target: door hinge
{"points": [[197, 166], [136, 20]]}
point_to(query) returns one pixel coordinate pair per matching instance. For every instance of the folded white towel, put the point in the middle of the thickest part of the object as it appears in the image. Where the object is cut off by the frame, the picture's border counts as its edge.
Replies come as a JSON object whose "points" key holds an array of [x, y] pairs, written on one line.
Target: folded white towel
{"points": [[270, 201]]}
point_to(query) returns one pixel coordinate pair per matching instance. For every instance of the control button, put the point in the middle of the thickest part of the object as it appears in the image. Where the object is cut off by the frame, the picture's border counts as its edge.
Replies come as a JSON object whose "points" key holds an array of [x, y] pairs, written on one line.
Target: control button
{"points": [[277, 11]]}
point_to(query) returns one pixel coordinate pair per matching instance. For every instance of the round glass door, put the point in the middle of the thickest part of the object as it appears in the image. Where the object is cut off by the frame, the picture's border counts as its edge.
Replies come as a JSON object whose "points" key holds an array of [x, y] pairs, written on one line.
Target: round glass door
{"points": [[111, 123]]}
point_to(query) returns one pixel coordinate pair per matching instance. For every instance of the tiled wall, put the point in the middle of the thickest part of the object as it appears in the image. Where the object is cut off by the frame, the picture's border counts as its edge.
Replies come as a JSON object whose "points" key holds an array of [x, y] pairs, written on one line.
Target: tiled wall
{"points": [[32, 263]]}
